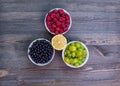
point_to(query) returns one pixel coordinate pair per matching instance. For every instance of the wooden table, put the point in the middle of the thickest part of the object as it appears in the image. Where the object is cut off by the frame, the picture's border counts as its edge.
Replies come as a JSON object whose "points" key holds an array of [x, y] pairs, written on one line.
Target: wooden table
{"points": [[95, 22]]}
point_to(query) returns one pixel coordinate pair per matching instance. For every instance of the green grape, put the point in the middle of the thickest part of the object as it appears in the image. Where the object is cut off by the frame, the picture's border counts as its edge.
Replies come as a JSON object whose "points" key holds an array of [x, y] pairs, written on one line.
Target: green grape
{"points": [[80, 62], [84, 53], [79, 49], [75, 60], [69, 55], [83, 59], [79, 54], [81, 46], [73, 54], [72, 44], [71, 61], [77, 44], [67, 48], [72, 48], [67, 52], [77, 64], [66, 55], [67, 60]]}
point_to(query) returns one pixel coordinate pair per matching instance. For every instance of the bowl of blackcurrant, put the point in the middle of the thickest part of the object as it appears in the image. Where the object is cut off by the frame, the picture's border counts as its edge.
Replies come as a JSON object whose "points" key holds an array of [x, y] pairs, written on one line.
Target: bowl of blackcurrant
{"points": [[41, 52], [58, 21], [76, 54]]}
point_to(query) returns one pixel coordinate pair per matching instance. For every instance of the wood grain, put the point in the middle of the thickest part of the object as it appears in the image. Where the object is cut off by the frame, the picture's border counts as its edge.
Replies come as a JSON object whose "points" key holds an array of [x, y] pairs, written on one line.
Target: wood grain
{"points": [[95, 22]]}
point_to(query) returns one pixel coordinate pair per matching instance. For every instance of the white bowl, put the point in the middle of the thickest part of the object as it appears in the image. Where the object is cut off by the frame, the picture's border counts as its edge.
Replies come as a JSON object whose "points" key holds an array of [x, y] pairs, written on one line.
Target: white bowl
{"points": [[65, 12], [85, 59], [38, 64]]}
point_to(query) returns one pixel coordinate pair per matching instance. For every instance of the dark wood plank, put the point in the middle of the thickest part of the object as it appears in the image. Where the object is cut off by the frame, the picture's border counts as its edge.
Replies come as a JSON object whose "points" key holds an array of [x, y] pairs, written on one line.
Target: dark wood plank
{"points": [[99, 22], [8, 83], [95, 22], [83, 6], [66, 77]]}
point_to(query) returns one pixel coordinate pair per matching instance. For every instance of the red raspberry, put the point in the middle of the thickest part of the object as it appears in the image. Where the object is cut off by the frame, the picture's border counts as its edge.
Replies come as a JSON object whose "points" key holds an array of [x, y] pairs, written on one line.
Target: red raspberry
{"points": [[63, 25], [49, 13], [55, 11], [57, 15], [52, 30], [48, 24], [67, 17], [53, 15], [63, 15], [55, 20], [56, 32], [49, 27], [68, 22], [57, 29], [61, 31], [58, 23], [66, 28], [48, 18], [53, 26], [62, 19], [61, 11]]}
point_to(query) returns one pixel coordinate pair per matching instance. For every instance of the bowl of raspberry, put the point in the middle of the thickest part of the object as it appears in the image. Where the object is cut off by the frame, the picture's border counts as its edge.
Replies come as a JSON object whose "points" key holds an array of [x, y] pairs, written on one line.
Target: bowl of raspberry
{"points": [[58, 21], [41, 52]]}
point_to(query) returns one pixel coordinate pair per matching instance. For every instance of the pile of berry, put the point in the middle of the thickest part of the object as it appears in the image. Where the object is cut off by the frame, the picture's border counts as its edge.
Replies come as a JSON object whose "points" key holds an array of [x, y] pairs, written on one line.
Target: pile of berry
{"points": [[41, 51], [58, 21], [75, 54]]}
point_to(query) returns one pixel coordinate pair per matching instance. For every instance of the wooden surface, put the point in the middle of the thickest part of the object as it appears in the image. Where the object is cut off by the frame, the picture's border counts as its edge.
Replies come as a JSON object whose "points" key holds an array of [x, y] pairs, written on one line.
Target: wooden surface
{"points": [[95, 22]]}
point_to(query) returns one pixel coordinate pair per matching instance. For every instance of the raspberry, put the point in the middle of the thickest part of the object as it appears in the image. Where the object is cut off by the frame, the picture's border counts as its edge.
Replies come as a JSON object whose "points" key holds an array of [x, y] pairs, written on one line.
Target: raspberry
{"points": [[61, 11], [48, 18], [63, 15], [52, 30], [49, 27], [61, 31], [58, 23], [57, 29], [48, 24], [55, 20], [49, 14], [66, 28], [53, 26], [57, 15], [68, 22], [63, 25], [53, 15], [55, 11], [67, 17], [56, 32], [62, 19]]}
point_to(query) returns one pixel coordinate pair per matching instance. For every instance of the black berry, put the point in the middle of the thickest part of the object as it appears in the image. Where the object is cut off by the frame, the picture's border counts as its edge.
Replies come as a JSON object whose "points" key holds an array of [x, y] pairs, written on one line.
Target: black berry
{"points": [[41, 51]]}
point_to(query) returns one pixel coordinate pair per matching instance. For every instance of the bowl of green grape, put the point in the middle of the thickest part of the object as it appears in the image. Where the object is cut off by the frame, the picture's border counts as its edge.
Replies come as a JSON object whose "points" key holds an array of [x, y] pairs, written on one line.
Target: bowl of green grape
{"points": [[75, 54]]}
